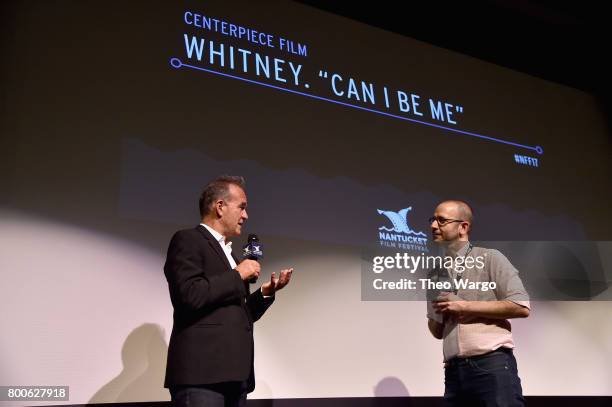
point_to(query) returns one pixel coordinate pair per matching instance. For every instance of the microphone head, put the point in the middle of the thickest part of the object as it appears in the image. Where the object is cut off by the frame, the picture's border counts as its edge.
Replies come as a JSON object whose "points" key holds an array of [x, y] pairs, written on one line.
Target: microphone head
{"points": [[252, 238]]}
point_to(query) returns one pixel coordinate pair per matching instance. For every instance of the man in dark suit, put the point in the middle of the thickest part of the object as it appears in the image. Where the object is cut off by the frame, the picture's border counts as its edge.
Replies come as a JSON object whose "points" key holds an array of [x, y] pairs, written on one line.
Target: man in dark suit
{"points": [[210, 356]]}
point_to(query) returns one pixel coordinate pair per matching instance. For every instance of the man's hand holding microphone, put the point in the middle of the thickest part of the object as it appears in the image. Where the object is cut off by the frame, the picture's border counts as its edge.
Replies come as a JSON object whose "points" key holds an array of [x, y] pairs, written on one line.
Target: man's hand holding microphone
{"points": [[249, 268]]}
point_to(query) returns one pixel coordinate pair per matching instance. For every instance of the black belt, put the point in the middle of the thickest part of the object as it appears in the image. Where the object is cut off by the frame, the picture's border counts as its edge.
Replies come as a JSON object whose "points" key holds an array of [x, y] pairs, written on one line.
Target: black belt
{"points": [[458, 361]]}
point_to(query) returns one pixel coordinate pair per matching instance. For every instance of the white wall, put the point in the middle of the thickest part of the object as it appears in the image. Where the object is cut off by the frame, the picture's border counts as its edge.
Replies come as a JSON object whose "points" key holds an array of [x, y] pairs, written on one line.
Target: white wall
{"points": [[92, 312]]}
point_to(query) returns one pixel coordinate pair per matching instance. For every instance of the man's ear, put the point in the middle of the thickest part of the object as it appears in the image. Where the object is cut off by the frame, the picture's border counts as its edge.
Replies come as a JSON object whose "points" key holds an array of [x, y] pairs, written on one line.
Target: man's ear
{"points": [[219, 208]]}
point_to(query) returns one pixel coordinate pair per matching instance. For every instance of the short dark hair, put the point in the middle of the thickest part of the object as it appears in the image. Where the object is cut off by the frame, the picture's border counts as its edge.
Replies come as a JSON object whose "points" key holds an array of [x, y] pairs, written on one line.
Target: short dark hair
{"points": [[218, 189]]}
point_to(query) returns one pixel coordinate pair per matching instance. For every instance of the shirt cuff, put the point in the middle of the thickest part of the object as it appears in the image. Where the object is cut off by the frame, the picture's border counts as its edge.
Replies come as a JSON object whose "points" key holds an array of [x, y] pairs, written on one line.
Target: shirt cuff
{"points": [[265, 296]]}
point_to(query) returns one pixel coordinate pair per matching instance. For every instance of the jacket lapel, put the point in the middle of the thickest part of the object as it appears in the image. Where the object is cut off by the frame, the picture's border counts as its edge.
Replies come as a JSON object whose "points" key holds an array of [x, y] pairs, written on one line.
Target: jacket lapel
{"points": [[214, 244]]}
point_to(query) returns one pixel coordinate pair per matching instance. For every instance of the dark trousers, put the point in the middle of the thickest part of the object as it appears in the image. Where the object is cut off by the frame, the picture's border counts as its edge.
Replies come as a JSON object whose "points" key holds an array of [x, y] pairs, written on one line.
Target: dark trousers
{"points": [[232, 394], [489, 380]]}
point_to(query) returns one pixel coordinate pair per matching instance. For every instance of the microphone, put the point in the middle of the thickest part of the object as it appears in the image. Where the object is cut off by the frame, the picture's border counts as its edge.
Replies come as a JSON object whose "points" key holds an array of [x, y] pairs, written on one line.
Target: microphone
{"points": [[253, 250]]}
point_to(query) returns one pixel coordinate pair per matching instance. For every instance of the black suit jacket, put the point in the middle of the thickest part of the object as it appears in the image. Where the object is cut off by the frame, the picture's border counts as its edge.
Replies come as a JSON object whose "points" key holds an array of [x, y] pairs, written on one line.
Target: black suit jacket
{"points": [[212, 336]]}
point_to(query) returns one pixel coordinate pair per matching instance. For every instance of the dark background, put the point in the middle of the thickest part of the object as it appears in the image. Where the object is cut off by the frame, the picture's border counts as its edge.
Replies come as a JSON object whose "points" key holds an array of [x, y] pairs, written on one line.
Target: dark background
{"points": [[560, 41]]}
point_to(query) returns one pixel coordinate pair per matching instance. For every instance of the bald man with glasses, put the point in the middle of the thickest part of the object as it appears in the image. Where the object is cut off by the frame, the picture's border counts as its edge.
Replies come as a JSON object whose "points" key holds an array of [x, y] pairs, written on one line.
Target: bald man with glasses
{"points": [[479, 365]]}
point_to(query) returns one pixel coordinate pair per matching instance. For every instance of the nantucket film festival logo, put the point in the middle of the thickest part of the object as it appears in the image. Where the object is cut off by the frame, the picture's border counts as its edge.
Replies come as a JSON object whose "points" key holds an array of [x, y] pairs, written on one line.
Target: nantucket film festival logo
{"points": [[400, 235]]}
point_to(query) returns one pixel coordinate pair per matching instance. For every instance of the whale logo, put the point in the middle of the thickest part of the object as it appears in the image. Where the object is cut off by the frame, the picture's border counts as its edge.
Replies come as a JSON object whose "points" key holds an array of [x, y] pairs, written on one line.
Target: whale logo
{"points": [[399, 222]]}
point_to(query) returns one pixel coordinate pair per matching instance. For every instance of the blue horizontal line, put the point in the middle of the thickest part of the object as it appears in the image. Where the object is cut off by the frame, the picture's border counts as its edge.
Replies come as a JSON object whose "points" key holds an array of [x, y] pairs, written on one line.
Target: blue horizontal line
{"points": [[177, 63]]}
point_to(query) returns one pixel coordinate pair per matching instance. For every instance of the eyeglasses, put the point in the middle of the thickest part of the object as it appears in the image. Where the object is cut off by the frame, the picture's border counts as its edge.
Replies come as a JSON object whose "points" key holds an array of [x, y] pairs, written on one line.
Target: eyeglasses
{"points": [[443, 221]]}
